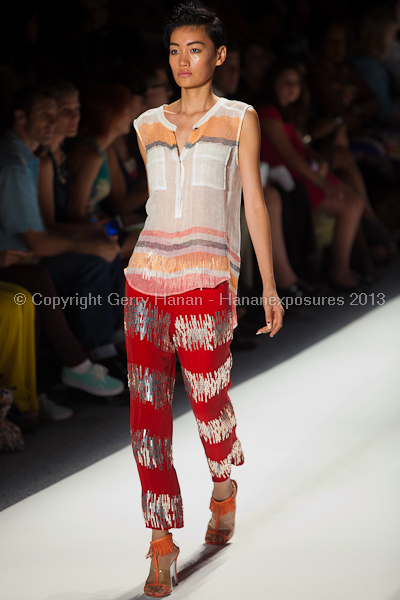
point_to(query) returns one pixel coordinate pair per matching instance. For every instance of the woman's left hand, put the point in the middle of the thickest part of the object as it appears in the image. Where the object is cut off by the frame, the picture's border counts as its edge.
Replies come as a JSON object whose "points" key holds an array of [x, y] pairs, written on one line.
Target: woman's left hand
{"points": [[274, 312]]}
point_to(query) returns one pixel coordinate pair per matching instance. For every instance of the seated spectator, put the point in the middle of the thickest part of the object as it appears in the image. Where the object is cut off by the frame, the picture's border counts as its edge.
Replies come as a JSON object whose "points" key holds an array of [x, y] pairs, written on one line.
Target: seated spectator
{"points": [[54, 179], [128, 191], [106, 115], [79, 268], [227, 75], [377, 30], [48, 319], [281, 144], [337, 89]]}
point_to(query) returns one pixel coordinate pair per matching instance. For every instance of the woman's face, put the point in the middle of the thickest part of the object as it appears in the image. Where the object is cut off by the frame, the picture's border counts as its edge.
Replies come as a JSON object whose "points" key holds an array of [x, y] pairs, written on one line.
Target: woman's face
{"points": [[69, 114], [334, 47], [288, 87], [192, 57]]}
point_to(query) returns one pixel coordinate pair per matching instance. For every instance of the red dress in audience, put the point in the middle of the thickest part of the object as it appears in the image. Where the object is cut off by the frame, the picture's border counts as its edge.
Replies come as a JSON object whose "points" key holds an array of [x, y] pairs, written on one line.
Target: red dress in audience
{"points": [[269, 154]]}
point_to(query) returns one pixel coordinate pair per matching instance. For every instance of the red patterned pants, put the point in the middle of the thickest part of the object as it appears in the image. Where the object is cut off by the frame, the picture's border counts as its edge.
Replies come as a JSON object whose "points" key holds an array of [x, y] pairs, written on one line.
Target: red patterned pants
{"points": [[197, 326]]}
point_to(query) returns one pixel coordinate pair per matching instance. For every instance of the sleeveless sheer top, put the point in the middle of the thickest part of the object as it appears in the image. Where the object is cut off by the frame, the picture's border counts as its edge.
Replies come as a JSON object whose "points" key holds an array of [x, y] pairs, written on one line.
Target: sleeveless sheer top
{"points": [[191, 236]]}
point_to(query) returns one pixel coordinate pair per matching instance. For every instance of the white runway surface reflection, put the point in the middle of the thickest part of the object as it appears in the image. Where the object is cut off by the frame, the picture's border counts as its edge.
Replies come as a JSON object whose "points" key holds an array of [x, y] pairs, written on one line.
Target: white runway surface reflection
{"points": [[318, 513]]}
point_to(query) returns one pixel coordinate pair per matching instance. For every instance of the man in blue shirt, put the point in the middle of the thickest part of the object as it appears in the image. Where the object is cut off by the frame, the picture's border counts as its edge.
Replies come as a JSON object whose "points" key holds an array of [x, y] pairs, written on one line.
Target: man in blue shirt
{"points": [[80, 269], [21, 225], [19, 167]]}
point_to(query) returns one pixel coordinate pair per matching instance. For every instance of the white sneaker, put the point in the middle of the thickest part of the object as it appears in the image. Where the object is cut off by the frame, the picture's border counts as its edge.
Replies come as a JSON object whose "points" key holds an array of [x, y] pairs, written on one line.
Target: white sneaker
{"points": [[52, 411]]}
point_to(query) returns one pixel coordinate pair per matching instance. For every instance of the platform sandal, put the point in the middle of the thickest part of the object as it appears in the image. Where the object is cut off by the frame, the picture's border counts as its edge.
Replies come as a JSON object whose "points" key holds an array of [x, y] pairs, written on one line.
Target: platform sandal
{"points": [[160, 581], [219, 532]]}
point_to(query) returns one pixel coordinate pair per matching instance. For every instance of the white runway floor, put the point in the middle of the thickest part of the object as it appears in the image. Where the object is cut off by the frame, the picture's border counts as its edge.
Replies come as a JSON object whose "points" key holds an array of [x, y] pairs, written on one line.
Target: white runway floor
{"points": [[318, 513]]}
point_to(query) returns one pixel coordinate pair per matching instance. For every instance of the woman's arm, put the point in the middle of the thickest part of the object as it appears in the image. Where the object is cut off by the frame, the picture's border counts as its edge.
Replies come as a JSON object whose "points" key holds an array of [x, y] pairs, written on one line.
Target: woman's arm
{"points": [[122, 201], [275, 132], [47, 206], [118, 193], [46, 191], [257, 218], [84, 165]]}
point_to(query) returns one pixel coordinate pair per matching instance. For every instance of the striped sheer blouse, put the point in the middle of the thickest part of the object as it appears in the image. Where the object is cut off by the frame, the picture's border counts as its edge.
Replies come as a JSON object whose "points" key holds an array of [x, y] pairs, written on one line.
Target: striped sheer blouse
{"points": [[191, 236]]}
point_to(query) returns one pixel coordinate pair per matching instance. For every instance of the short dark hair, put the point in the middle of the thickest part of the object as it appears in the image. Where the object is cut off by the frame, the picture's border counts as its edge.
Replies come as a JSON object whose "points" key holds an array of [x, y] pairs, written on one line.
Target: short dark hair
{"points": [[187, 15], [25, 98]]}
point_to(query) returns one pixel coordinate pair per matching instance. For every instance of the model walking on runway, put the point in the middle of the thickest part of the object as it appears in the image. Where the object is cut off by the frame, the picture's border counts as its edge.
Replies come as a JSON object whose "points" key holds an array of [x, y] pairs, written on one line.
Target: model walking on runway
{"points": [[182, 280]]}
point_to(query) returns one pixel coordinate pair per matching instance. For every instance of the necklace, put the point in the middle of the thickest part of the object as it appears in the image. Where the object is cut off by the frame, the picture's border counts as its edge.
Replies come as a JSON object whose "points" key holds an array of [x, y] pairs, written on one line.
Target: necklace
{"points": [[60, 167]]}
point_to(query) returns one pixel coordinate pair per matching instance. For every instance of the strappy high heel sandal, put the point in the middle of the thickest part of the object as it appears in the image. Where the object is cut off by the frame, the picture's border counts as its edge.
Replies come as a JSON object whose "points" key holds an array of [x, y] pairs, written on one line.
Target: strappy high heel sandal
{"points": [[219, 531], [160, 581]]}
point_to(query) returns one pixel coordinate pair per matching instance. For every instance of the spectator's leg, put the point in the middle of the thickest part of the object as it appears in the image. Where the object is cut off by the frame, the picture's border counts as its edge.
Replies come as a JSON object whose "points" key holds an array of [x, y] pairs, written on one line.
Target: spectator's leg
{"points": [[51, 321], [84, 283], [348, 214]]}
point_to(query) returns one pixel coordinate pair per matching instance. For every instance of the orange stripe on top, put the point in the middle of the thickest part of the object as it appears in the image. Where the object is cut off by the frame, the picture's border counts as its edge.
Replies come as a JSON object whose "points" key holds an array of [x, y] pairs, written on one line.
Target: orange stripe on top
{"points": [[223, 126], [156, 132], [152, 262]]}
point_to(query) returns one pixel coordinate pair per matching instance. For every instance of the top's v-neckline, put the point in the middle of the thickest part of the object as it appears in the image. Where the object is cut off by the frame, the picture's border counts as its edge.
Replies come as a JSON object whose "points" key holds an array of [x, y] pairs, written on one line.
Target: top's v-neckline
{"points": [[196, 125]]}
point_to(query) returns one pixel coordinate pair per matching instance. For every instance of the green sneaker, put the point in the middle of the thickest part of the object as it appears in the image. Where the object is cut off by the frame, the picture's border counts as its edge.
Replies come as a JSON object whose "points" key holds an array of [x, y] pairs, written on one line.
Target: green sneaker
{"points": [[95, 381], [51, 411]]}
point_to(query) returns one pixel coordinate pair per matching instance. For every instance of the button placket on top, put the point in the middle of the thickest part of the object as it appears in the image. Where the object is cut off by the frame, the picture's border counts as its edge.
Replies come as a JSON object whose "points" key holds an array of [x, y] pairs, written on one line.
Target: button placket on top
{"points": [[180, 170]]}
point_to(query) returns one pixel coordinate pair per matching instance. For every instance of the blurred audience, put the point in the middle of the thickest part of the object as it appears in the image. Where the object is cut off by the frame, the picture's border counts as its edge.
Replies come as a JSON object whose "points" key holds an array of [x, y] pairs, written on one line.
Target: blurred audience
{"points": [[292, 239], [158, 86], [44, 306], [257, 58], [128, 192], [106, 115], [107, 112], [339, 93], [331, 148], [227, 75], [281, 144], [78, 268], [376, 32]]}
